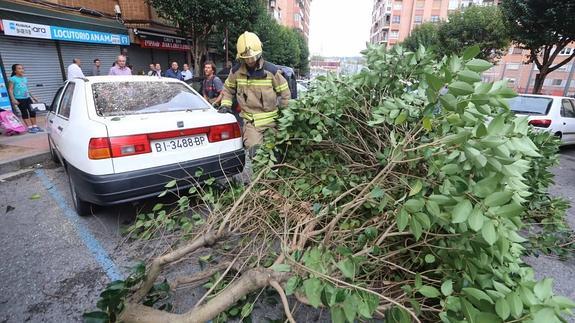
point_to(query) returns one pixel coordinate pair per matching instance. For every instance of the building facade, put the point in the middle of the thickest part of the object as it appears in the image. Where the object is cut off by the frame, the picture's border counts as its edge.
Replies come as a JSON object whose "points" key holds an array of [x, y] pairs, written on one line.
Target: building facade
{"points": [[393, 20], [292, 14], [45, 36]]}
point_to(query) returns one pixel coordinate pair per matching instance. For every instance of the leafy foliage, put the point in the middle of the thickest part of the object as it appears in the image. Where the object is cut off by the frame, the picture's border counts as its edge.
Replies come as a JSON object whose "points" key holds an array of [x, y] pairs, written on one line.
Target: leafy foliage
{"points": [[423, 35], [544, 28]]}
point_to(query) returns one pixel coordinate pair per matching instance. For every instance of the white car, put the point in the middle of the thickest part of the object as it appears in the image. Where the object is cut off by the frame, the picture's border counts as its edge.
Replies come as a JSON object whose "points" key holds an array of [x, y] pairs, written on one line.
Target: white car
{"points": [[123, 138], [554, 114]]}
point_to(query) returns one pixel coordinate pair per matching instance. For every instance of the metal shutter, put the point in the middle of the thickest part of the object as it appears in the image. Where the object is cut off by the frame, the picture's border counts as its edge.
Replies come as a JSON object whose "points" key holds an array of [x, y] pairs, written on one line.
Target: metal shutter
{"points": [[140, 58], [87, 53], [161, 56], [40, 60]]}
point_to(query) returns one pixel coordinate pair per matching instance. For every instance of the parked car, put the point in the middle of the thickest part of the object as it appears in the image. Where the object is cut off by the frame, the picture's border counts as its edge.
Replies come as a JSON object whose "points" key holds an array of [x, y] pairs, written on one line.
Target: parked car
{"points": [[123, 138], [555, 114]]}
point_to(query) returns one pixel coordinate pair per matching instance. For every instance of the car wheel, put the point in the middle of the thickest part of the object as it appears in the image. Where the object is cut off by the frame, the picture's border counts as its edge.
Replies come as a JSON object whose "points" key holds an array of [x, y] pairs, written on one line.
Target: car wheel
{"points": [[559, 135], [82, 207], [53, 154]]}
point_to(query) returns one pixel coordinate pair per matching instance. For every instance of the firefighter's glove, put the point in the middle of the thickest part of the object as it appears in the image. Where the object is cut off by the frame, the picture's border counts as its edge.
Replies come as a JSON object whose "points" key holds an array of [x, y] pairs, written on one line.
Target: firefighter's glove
{"points": [[224, 110]]}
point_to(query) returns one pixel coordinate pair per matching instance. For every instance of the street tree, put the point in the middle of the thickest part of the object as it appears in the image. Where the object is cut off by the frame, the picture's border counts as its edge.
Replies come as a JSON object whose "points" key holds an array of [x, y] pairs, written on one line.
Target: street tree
{"points": [[476, 25], [303, 66], [544, 28], [424, 34], [198, 19]]}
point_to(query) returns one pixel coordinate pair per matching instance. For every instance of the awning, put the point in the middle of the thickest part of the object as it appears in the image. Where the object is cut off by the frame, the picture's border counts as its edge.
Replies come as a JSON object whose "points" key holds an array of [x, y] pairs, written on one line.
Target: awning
{"points": [[48, 16]]}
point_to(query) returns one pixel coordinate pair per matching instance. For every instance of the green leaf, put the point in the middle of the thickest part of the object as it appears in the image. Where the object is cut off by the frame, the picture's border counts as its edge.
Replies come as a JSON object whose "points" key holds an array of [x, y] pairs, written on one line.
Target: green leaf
{"points": [[460, 88], [429, 291], [448, 101], [563, 301], [476, 219], [502, 308], [337, 314], [171, 184], [401, 118], [461, 211], [515, 304], [282, 268], [163, 193], [402, 220], [478, 65], [423, 219], [486, 317], [451, 169], [545, 314], [416, 228], [414, 205], [498, 198], [469, 77], [510, 210], [247, 309], [96, 317], [377, 192], [429, 258], [477, 294], [36, 197], [416, 188], [347, 267], [471, 52], [447, 287], [157, 207], [496, 125], [543, 289], [350, 307], [433, 81], [433, 208], [501, 287], [427, 123], [312, 289], [483, 88], [488, 232], [291, 285]]}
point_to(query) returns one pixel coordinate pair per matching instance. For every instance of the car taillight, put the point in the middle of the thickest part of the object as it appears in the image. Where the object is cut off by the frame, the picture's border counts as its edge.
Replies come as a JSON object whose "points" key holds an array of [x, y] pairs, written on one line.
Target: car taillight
{"points": [[130, 145], [99, 148], [543, 123], [224, 132]]}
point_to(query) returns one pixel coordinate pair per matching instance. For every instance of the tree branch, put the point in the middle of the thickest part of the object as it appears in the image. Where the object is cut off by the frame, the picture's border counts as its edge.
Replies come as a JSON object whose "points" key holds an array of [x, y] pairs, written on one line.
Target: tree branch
{"points": [[285, 303]]}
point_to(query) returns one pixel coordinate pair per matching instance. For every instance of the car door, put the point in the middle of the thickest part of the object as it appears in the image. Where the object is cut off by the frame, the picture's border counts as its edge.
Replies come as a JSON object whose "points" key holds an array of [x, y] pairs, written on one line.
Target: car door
{"points": [[568, 120], [60, 120], [52, 113]]}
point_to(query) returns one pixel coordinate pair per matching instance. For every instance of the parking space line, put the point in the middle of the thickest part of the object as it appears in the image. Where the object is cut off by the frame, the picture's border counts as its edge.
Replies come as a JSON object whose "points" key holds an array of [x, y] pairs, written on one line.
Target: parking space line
{"points": [[84, 234]]}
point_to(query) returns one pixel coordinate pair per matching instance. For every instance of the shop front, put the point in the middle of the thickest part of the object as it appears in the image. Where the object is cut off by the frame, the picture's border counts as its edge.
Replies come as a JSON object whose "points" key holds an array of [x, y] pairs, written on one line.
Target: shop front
{"points": [[46, 41], [156, 47]]}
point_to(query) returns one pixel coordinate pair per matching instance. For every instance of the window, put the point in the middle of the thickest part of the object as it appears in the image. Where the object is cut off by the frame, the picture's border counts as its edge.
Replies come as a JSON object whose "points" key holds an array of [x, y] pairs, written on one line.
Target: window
{"points": [[110, 98], [557, 82], [453, 4], [434, 19], [510, 81], [420, 4], [512, 66], [296, 17], [436, 4], [396, 19], [418, 19], [567, 109], [517, 51], [566, 51], [397, 6], [530, 104], [564, 68], [66, 102], [394, 34]]}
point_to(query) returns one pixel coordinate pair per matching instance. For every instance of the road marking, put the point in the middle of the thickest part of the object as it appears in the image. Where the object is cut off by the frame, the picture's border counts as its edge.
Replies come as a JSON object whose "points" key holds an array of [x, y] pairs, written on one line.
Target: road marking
{"points": [[84, 234]]}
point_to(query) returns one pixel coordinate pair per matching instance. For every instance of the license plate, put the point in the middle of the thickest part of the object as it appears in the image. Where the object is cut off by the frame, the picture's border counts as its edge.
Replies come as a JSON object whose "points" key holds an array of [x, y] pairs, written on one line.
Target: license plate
{"points": [[178, 144]]}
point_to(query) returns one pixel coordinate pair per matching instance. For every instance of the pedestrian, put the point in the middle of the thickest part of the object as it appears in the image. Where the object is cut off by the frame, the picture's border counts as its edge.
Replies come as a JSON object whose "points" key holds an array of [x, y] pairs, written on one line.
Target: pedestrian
{"points": [[159, 72], [22, 98], [212, 85], [152, 70], [259, 83], [120, 68], [74, 70], [96, 68], [174, 72], [187, 73]]}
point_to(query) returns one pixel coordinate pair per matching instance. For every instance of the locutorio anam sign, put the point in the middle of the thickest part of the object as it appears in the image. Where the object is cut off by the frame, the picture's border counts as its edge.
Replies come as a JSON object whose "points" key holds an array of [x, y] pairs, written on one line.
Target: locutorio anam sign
{"points": [[26, 29]]}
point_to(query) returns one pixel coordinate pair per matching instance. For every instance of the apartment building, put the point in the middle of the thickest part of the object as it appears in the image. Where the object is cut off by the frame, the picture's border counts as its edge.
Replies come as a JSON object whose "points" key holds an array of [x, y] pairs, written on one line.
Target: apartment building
{"points": [[393, 20], [292, 14]]}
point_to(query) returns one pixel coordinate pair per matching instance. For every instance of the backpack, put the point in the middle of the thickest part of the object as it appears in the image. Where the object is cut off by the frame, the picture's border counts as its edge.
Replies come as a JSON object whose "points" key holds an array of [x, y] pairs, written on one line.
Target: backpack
{"points": [[289, 75], [10, 123]]}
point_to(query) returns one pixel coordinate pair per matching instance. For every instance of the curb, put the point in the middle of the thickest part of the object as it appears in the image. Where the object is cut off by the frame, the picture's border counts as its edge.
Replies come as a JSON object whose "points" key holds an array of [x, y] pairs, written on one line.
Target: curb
{"points": [[23, 162]]}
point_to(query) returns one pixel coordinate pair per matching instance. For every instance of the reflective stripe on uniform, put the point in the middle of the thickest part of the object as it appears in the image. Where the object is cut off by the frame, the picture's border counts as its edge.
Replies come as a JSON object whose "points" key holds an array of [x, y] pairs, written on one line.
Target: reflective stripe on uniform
{"points": [[260, 119], [230, 84], [282, 87], [226, 103], [246, 82]]}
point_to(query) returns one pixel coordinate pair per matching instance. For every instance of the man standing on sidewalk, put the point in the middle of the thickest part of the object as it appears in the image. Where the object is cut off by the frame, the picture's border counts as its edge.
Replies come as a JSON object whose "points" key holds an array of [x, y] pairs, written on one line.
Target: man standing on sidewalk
{"points": [[187, 73], [120, 68], [174, 72], [96, 68], [74, 70]]}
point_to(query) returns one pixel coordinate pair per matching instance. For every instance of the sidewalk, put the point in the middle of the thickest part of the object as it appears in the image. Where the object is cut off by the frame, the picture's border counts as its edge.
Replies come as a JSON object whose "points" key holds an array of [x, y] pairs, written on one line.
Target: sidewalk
{"points": [[25, 150]]}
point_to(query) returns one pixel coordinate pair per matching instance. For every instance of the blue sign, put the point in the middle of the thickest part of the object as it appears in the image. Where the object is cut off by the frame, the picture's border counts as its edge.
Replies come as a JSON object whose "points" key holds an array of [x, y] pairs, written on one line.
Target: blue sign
{"points": [[88, 36], [4, 98]]}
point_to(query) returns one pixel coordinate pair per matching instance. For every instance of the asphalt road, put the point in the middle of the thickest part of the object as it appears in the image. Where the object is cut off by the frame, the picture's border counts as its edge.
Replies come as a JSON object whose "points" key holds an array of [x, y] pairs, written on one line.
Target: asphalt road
{"points": [[53, 264]]}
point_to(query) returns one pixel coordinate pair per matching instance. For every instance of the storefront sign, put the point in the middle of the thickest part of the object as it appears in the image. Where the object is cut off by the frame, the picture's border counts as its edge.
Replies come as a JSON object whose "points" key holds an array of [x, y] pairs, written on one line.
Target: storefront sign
{"points": [[25, 29], [166, 43]]}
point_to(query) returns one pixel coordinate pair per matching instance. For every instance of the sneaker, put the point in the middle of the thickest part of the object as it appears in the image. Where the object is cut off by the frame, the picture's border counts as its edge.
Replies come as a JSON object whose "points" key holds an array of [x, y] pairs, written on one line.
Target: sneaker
{"points": [[38, 129], [32, 130]]}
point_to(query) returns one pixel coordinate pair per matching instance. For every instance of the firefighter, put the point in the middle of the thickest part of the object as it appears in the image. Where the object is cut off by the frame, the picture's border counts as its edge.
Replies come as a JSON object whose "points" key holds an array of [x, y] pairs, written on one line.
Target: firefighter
{"points": [[256, 85]]}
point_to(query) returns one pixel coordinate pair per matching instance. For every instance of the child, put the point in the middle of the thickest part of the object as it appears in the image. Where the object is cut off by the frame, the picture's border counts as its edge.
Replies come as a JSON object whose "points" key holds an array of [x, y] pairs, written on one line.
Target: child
{"points": [[22, 98]]}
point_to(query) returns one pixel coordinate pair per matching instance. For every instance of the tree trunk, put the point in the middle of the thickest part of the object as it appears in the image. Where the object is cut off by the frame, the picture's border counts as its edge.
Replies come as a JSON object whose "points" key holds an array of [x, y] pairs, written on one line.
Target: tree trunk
{"points": [[199, 50], [539, 79]]}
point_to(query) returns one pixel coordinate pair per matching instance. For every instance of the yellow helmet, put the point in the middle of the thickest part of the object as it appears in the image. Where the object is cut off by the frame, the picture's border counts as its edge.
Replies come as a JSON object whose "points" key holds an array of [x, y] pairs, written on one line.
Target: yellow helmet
{"points": [[249, 46]]}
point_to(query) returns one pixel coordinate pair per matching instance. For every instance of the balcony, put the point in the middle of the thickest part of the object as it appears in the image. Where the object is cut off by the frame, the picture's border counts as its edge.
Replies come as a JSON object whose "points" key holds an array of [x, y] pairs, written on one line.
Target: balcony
{"points": [[272, 3]]}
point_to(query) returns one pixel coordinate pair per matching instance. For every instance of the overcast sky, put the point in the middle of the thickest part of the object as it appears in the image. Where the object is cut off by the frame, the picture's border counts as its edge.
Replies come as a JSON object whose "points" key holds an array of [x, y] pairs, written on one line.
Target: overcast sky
{"points": [[339, 27]]}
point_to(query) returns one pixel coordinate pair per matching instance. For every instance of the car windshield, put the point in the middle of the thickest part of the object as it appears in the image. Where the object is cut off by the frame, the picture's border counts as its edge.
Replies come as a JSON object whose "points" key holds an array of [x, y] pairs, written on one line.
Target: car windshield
{"points": [[128, 98], [530, 104]]}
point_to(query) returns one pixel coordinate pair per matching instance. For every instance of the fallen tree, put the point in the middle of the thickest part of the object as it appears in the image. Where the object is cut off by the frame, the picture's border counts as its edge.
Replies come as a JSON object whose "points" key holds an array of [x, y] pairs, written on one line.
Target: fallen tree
{"points": [[401, 196]]}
